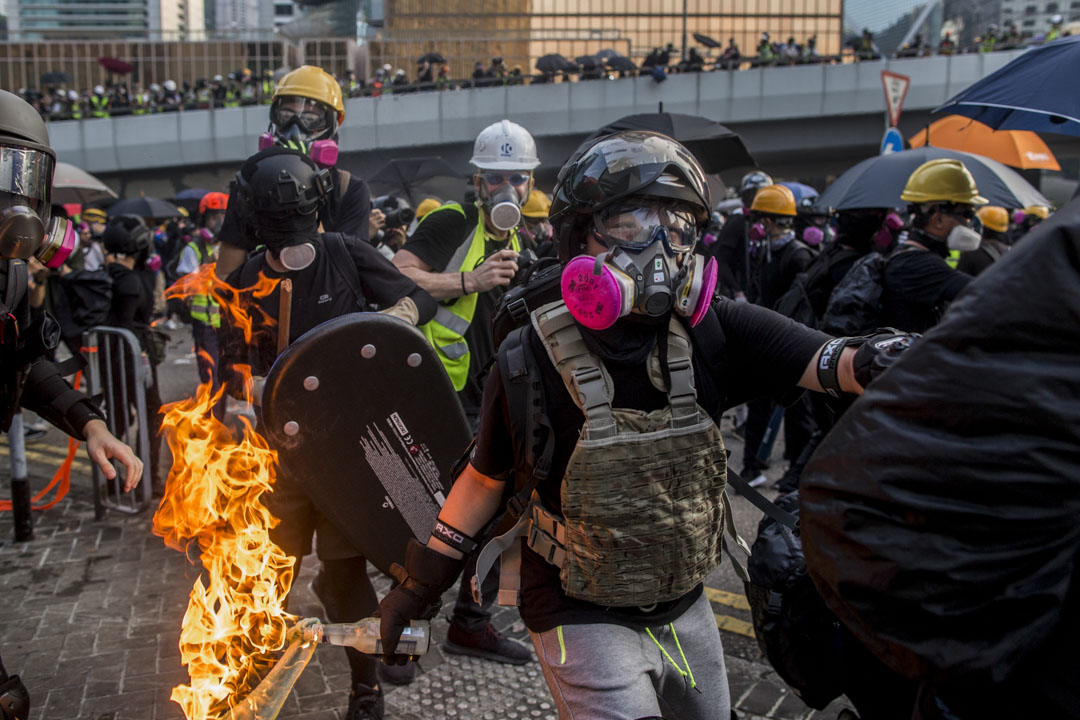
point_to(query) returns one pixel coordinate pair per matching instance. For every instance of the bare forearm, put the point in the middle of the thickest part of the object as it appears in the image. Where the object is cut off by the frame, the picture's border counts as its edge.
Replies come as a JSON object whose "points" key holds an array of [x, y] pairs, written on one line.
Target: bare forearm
{"points": [[473, 501], [441, 286]]}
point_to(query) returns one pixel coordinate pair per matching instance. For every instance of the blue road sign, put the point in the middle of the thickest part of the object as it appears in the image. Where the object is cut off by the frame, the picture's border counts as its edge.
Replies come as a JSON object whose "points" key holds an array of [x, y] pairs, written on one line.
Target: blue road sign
{"points": [[892, 142]]}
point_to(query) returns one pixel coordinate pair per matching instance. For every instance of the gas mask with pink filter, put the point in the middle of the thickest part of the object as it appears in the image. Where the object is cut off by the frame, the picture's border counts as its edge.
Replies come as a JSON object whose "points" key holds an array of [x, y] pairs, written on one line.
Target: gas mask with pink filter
{"points": [[27, 226], [303, 124], [649, 268]]}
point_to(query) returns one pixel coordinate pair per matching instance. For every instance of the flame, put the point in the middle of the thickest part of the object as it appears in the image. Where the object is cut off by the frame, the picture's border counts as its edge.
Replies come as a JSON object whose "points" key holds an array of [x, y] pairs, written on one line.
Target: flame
{"points": [[235, 619]]}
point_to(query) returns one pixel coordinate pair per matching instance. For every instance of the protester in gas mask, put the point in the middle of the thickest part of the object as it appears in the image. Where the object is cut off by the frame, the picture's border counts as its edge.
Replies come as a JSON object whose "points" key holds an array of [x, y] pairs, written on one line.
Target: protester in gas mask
{"points": [[306, 112], [466, 256], [204, 309], [282, 190], [635, 367], [918, 283], [534, 215]]}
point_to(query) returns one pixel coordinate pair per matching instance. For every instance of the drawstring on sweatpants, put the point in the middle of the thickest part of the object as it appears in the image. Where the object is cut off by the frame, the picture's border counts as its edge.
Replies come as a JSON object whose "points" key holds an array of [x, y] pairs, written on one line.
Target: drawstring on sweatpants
{"points": [[688, 673]]}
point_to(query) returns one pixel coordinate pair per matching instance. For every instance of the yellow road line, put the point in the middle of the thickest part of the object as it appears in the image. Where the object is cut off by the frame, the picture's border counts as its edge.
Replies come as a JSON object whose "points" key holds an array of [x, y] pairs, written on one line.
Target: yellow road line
{"points": [[735, 600], [55, 456], [740, 627]]}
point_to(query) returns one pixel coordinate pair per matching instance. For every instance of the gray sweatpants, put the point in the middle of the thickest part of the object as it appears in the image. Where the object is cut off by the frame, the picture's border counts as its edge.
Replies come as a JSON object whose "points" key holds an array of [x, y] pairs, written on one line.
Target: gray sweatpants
{"points": [[611, 672]]}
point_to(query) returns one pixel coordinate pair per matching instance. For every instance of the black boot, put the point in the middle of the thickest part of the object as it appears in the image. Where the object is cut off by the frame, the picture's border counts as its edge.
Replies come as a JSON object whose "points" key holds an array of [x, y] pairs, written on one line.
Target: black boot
{"points": [[365, 703]]}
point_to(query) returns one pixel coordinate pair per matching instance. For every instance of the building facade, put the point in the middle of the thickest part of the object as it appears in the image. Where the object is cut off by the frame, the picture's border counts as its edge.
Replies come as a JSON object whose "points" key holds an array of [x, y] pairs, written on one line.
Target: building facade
{"points": [[112, 19]]}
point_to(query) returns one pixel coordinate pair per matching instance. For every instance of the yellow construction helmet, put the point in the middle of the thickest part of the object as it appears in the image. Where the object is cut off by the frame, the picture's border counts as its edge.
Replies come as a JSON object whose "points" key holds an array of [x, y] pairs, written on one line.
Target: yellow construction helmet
{"points": [[537, 205], [1040, 211], [943, 180], [315, 83], [426, 205], [774, 200], [994, 218]]}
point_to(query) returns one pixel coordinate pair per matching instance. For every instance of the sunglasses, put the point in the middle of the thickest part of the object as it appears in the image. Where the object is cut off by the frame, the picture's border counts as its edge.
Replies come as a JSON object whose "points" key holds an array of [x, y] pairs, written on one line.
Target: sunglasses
{"points": [[497, 178]]}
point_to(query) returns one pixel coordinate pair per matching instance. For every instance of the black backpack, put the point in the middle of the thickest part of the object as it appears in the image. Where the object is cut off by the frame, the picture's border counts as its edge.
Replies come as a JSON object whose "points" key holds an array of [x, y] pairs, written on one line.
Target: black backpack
{"points": [[805, 300], [799, 635], [85, 300]]}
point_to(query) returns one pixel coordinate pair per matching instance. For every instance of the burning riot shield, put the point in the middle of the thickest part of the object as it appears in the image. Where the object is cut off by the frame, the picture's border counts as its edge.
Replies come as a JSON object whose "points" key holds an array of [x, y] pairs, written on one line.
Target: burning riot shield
{"points": [[363, 415]]}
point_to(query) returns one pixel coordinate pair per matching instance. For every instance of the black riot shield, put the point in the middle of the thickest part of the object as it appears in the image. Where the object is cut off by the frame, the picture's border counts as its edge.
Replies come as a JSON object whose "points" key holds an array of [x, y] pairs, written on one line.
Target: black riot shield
{"points": [[363, 415]]}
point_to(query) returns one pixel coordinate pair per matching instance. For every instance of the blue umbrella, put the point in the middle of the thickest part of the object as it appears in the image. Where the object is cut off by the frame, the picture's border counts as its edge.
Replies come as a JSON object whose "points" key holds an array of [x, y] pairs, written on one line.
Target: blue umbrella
{"points": [[801, 191], [1036, 91]]}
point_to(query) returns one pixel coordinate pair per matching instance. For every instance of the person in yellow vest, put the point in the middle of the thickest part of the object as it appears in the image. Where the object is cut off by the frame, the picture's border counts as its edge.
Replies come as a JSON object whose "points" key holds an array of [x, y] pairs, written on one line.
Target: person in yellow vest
{"points": [[465, 256], [205, 311], [1055, 29], [266, 87], [99, 103]]}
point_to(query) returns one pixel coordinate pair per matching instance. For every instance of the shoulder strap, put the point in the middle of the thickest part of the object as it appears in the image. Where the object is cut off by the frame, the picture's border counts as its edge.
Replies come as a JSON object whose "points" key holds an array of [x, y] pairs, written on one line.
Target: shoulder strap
{"points": [[345, 266], [18, 280], [344, 176], [682, 395], [586, 379], [529, 424], [992, 251]]}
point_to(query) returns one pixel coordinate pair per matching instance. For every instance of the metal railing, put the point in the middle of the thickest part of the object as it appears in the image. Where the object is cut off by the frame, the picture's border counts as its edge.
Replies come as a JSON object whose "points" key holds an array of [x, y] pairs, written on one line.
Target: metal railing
{"points": [[117, 372]]}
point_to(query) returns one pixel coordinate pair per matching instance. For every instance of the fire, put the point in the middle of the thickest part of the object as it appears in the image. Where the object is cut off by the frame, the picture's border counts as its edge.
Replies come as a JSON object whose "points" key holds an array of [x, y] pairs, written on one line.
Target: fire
{"points": [[236, 614]]}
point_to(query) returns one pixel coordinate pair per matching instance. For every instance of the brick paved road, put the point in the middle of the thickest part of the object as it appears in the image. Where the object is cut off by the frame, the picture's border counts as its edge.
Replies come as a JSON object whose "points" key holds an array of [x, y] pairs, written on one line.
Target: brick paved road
{"points": [[93, 611]]}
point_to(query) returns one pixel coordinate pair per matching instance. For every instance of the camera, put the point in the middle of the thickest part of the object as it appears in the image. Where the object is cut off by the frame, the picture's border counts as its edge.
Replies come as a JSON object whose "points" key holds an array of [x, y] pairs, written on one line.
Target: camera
{"points": [[396, 211]]}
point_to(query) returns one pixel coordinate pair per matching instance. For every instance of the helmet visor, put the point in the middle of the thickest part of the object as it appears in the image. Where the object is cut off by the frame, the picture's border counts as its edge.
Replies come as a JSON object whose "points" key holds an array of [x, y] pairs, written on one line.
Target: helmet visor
{"points": [[27, 172], [311, 115], [634, 226], [620, 166]]}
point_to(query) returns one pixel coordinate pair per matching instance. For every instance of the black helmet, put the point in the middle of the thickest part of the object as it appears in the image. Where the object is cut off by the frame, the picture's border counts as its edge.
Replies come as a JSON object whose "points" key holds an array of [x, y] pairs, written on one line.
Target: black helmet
{"points": [[754, 181], [630, 163], [279, 181], [126, 235]]}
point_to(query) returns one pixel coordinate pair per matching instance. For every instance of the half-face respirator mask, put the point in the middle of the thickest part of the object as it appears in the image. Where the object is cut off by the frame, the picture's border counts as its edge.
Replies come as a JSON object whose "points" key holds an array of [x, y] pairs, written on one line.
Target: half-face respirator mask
{"points": [[503, 203], [886, 234], [963, 237], [649, 269], [26, 227], [295, 122]]}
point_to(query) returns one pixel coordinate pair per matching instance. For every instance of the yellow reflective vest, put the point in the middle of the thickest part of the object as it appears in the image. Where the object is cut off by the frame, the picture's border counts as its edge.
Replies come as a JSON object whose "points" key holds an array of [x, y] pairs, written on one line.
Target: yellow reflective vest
{"points": [[204, 308], [446, 331]]}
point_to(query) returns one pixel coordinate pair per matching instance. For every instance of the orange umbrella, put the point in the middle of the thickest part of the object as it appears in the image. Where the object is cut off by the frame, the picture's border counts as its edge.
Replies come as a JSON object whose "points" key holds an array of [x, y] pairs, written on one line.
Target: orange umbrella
{"points": [[1018, 148]]}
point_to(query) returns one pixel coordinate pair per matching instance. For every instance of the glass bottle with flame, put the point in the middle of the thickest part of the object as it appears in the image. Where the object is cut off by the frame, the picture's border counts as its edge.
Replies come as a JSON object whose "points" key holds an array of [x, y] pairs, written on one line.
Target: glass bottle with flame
{"points": [[364, 636]]}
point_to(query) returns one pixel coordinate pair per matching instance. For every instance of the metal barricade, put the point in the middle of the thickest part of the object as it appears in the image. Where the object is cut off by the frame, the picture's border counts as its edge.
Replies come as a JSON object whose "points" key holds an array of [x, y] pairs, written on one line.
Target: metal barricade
{"points": [[117, 372]]}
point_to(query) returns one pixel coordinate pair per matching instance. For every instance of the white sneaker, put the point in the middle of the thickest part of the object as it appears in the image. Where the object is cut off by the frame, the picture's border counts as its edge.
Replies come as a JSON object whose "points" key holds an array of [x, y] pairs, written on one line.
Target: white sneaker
{"points": [[758, 481]]}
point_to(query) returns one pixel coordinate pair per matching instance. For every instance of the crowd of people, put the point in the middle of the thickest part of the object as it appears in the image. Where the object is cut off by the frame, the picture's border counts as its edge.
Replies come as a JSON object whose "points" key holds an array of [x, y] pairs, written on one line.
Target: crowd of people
{"points": [[597, 417], [243, 88]]}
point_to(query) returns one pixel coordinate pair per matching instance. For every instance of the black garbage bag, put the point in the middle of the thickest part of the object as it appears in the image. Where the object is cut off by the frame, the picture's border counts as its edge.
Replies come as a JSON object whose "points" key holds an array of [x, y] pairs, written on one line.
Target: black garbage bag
{"points": [[941, 516]]}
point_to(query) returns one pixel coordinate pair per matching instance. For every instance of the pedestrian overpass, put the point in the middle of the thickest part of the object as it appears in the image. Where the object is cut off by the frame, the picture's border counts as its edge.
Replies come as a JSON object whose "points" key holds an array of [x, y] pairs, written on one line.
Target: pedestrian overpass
{"points": [[807, 121]]}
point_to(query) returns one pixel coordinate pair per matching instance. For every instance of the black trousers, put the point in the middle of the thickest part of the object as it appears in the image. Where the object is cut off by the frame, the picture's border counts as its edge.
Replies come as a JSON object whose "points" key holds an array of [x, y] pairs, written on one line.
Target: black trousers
{"points": [[798, 428]]}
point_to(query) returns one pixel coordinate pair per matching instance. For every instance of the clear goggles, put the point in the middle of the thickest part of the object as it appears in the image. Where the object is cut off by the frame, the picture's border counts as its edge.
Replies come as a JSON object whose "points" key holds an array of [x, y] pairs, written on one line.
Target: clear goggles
{"points": [[634, 226], [28, 173], [311, 115], [494, 178]]}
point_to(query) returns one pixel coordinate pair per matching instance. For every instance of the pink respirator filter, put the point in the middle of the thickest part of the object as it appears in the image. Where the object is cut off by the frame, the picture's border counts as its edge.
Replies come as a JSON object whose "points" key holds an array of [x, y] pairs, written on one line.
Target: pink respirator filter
{"points": [[59, 243], [592, 293], [705, 296]]}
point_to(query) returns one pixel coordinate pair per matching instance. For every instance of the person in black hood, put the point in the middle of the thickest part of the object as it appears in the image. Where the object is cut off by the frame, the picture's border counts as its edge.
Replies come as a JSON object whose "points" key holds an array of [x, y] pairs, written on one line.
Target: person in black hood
{"points": [[331, 275]]}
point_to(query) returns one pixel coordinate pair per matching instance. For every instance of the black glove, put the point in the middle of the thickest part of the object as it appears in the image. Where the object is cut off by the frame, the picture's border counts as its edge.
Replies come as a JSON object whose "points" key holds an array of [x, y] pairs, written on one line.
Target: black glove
{"points": [[879, 352], [426, 576]]}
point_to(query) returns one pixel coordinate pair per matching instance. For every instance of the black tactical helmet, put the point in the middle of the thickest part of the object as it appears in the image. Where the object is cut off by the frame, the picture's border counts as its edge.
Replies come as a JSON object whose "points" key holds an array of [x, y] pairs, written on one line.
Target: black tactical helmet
{"points": [[630, 163], [126, 235], [280, 181]]}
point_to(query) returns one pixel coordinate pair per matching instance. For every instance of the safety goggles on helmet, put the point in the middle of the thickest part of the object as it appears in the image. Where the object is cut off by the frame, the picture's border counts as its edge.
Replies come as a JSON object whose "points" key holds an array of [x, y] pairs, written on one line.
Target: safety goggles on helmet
{"points": [[494, 178], [634, 226], [312, 116], [28, 173]]}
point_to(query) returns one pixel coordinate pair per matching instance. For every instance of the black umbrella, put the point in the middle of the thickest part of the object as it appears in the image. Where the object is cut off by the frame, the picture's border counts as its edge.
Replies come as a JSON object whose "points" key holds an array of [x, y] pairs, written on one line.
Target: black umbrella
{"points": [[588, 62], [435, 58], [706, 40], [147, 207], [878, 181], [555, 63], [56, 77], [607, 53], [620, 63], [416, 178], [715, 146], [189, 199]]}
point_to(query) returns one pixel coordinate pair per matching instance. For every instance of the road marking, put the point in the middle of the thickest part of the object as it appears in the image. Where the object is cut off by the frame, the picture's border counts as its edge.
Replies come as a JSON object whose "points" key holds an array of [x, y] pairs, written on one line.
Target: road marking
{"points": [[735, 600], [740, 627], [51, 455]]}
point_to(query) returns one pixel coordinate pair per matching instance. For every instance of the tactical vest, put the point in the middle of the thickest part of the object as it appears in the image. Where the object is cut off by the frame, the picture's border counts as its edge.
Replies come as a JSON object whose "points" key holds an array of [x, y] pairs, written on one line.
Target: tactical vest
{"points": [[204, 308], [446, 331], [642, 496]]}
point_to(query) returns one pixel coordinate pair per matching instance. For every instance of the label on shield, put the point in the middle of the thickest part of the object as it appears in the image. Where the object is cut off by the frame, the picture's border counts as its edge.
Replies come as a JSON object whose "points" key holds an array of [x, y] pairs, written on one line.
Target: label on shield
{"points": [[404, 466]]}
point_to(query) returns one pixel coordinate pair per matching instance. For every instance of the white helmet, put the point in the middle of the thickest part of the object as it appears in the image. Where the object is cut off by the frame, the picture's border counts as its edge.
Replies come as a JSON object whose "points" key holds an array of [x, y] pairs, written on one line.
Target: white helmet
{"points": [[170, 85], [505, 145], [155, 88], [98, 90], [72, 95], [1056, 20]]}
